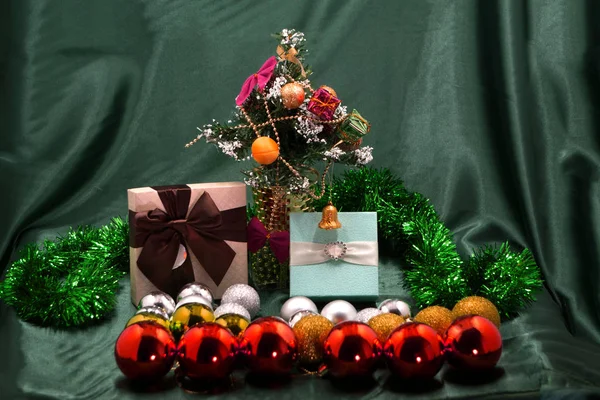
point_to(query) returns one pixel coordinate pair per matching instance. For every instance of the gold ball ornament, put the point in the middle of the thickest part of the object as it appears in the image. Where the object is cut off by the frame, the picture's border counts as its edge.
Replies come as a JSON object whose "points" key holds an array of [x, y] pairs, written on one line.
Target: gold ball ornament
{"points": [[265, 150], [191, 311], [439, 318], [234, 317], [475, 305], [311, 332], [237, 324], [384, 324], [329, 89], [292, 95], [150, 314]]}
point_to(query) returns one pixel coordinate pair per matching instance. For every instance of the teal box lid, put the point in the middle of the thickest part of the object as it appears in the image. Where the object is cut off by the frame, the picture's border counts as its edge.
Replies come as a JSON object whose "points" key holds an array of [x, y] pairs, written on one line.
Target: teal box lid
{"points": [[333, 279]]}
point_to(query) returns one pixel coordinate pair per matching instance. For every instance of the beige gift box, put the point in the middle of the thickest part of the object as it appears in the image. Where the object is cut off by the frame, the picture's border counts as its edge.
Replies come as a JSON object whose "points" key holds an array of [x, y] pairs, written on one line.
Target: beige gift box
{"points": [[168, 222]]}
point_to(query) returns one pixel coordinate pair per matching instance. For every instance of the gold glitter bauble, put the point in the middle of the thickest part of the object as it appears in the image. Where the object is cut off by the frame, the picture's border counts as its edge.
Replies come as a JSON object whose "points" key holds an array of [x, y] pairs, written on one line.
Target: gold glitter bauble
{"points": [[148, 317], [475, 305], [439, 318], [234, 322], [311, 332], [384, 324], [292, 95], [329, 89], [189, 315]]}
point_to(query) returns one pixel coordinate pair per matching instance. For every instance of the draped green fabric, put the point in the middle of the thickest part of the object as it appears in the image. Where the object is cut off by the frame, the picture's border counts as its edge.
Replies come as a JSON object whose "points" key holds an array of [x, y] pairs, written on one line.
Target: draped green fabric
{"points": [[490, 108]]}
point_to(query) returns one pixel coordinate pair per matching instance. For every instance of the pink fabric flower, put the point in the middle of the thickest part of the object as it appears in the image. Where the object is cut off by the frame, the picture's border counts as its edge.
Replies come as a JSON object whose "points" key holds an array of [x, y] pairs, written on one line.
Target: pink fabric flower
{"points": [[260, 78]]}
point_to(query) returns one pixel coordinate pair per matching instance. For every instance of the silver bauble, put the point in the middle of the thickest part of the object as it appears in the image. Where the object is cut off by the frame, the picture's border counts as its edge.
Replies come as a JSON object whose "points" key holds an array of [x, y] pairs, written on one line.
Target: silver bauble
{"points": [[232, 308], [395, 306], [158, 311], [295, 304], [158, 299], [338, 311], [244, 295], [299, 315], [366, 314], [195, 288], [195, 299]]}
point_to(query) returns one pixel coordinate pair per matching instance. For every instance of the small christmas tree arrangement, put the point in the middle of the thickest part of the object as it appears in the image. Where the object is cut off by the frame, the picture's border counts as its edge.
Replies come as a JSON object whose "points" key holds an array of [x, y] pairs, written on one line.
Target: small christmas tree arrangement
{"points": [[288, 127]]}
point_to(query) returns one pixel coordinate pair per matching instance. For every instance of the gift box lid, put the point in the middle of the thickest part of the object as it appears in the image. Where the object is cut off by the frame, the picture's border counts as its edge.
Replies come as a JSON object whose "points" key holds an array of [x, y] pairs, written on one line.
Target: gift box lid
{"points": [[192, 186], [146, 198]]}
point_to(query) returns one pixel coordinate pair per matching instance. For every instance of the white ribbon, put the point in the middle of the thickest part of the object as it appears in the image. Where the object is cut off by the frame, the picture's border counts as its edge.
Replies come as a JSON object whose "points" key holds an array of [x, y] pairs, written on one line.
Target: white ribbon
{"points": [[306, 253]]}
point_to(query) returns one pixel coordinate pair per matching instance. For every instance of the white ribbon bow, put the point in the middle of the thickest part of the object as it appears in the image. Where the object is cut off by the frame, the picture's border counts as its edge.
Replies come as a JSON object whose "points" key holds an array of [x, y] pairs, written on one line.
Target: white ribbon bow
{"points": [[306, 253]]}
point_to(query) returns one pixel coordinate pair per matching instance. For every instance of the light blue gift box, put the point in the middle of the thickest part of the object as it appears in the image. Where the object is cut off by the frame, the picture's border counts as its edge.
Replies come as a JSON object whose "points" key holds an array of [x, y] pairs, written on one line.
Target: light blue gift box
{"points": [[333, 279]]}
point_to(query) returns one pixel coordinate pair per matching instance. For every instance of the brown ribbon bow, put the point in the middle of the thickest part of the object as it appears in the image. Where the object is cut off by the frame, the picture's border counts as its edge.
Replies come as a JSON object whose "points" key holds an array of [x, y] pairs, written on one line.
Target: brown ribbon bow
{"points": [[204, 231], [290, 56]]}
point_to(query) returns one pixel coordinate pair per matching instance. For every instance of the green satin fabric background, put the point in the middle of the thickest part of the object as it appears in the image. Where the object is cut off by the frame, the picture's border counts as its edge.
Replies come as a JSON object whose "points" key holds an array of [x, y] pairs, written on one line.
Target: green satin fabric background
{"points": [[490, 108]]}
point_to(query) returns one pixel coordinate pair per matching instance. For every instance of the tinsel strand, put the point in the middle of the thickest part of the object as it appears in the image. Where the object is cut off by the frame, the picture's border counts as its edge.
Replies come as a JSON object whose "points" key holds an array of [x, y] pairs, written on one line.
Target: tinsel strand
{"points": [[71, 281]]}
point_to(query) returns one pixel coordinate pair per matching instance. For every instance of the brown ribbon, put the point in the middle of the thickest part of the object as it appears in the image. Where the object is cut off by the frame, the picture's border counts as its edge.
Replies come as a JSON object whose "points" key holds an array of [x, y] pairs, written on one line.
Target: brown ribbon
{"points": [[290, 56], [204, 231]]}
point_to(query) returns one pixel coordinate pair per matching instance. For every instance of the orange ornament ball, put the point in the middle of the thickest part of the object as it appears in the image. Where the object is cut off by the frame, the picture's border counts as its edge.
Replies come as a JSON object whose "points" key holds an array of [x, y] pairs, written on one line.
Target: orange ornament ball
{"points": [[265, 150], [329, 89]]}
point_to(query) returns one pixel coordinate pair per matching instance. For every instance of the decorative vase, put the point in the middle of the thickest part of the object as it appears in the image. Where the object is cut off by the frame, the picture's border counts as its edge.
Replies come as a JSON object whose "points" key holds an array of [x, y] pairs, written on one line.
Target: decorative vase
{"points": [[273, 206]]}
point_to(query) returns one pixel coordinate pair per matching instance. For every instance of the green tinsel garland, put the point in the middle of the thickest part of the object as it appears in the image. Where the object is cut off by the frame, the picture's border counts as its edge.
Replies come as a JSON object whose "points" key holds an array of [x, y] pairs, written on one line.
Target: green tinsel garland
{"points": [[435, 274], [72, 281], [503, 276]]}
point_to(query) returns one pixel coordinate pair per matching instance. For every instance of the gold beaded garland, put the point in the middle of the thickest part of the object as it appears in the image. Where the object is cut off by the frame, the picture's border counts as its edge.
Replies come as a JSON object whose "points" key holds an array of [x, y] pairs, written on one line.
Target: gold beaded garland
{"points": [[311, 332], [384, 324], [437, 317], [476, 305]]}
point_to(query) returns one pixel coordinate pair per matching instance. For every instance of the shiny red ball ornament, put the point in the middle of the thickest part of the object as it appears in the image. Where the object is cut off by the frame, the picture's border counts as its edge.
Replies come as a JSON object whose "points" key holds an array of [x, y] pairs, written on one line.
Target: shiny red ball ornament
{"points": [[145, 351], [207, 352], [351, 350], [269, 347], [414, 351], [473, 342]]}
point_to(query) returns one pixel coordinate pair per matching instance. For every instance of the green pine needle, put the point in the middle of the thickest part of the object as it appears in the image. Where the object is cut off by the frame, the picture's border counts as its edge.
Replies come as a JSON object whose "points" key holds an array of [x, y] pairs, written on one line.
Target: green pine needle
{"points": [[69, 282], [251, 211]]}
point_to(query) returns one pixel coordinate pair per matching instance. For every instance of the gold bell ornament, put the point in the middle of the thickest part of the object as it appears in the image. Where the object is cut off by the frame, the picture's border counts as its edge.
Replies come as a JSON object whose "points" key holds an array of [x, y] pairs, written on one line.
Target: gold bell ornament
{"points": [[329, 219]]}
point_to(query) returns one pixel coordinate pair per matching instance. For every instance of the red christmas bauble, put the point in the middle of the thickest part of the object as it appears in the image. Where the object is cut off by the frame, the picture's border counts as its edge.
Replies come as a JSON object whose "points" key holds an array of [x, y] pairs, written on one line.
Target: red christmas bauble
{"points": [[145, 351], [414, 351], [269, 346], [207, 352], [351, 349], [473, 342]]}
